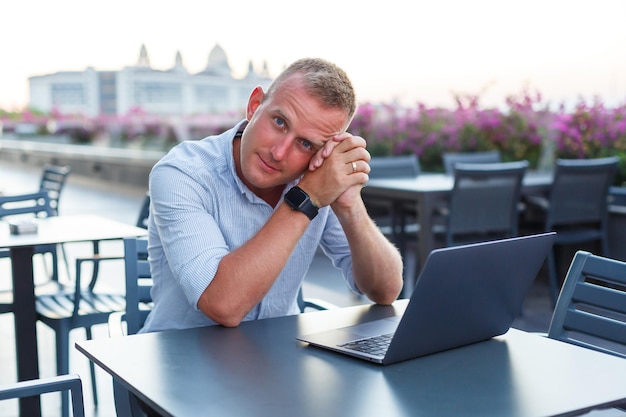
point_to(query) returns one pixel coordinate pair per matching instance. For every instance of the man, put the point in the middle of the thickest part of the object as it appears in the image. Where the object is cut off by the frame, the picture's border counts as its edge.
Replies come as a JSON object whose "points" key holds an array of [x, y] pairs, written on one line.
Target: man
{"points": [[236, 219]]}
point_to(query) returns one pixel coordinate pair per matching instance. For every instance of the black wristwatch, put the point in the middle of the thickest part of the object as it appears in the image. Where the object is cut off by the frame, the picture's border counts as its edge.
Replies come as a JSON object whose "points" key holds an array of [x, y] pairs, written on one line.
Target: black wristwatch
{"points": [[299, 200]]}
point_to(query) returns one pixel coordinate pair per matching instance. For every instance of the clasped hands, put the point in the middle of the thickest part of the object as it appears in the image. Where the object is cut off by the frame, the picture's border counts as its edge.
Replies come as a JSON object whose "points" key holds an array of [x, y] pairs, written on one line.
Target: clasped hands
{"points": [[337, 172]]}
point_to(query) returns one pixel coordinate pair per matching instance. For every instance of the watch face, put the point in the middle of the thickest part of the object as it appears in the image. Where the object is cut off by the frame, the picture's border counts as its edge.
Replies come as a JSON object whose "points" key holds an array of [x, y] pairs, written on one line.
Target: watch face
{"points": [[297, 196], [299, 200]]}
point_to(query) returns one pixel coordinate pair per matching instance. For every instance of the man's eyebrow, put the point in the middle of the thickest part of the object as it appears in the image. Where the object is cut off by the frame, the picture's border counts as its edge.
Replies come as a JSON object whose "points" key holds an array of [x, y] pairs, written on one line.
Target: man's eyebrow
{"points": [[315, 143]]}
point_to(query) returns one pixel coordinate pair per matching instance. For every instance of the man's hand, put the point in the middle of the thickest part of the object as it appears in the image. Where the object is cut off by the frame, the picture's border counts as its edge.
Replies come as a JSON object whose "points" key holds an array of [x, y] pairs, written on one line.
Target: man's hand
{"points": [[339, 171], [325, 152]]}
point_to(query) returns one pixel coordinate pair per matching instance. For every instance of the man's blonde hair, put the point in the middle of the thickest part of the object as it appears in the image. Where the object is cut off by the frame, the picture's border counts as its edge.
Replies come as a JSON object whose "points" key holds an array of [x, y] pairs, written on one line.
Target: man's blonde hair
{"points": [[323, 80]]}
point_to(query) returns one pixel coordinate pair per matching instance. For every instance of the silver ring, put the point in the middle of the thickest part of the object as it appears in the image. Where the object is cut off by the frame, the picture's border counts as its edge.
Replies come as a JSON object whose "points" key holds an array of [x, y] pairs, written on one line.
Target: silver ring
{"points": [[353, 167]]}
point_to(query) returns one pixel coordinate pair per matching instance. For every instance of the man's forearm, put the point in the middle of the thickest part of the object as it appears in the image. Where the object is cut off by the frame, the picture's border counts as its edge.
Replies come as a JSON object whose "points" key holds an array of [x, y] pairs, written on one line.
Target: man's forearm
{"points": [[247, 273], [376, 263]]}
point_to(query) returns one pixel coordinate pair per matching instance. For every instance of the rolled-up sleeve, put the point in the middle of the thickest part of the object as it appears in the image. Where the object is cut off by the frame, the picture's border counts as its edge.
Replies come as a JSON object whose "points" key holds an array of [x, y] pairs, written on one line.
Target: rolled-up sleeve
{"points": [[191, 238]]}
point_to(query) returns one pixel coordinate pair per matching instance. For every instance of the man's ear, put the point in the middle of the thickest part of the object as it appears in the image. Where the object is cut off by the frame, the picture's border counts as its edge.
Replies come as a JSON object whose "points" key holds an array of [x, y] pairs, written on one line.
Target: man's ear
{"points": [[255, 100]]}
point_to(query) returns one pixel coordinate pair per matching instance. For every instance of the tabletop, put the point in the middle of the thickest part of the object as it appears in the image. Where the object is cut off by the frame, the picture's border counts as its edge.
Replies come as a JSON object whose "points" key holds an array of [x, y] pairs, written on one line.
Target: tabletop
{"points": [[66, 229], [260, 369]]}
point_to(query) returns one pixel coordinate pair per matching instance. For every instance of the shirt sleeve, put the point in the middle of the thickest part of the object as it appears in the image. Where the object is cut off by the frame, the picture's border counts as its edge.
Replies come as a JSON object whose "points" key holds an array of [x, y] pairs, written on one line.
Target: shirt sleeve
{"points": [[192, 241]]}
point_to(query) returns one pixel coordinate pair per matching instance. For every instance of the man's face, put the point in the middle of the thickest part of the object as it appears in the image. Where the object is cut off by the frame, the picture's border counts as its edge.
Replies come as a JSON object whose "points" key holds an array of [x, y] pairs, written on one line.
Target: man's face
{"points": [[284, 131]]}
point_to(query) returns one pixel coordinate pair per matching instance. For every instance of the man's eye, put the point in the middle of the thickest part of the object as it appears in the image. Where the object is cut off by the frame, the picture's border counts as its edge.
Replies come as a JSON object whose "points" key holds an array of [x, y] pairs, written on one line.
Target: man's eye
{"points": [[279, 122], [308, 145]]}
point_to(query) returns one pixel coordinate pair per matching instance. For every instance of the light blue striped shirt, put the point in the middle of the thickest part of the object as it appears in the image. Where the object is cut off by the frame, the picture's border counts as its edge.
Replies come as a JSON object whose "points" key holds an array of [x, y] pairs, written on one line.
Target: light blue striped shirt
{"points": [[200, 211]]}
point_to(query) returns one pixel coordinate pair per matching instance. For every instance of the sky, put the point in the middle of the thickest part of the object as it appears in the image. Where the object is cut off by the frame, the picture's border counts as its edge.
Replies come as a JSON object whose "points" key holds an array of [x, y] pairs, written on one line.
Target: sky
{"points": [[404, 51]]}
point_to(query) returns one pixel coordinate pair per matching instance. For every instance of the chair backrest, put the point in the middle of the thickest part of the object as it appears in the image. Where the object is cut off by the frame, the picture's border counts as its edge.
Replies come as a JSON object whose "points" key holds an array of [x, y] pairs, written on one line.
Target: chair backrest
{"points": [[33, 204], [451, 159], [591, 308], [41, 386], [144, 213], [579, 192], [484, 201], [53, 180], [138, 306], [138, 283], [401, 166], [617, 195]]}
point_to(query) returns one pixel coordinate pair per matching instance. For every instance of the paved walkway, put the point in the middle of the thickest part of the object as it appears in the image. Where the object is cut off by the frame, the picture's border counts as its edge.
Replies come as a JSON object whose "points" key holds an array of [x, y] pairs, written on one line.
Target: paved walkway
{"points": [[85, 195]]}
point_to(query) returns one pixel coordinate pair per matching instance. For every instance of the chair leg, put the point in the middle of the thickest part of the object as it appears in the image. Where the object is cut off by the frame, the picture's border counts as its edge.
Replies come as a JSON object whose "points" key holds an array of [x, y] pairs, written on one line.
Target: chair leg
{"points": [[44, 262], [64, 256], [553, 276], [92, 370], [63, 364]]}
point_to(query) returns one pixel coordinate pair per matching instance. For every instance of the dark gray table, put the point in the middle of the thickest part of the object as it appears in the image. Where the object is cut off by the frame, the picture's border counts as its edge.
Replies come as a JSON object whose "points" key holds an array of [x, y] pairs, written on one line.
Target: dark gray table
{"points": [[259, 369], [429, 191], [58, 229]]}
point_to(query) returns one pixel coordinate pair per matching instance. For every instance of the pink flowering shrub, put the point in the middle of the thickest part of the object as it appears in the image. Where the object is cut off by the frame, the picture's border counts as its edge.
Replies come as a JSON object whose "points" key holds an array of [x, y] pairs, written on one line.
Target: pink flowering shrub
{"points": [[591, 131], [525, 129], [429, 132]]}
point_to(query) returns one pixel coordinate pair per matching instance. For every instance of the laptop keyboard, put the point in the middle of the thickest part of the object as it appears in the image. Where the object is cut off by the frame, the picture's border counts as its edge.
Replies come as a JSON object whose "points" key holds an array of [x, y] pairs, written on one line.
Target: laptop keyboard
{"points": [[376, 345]]}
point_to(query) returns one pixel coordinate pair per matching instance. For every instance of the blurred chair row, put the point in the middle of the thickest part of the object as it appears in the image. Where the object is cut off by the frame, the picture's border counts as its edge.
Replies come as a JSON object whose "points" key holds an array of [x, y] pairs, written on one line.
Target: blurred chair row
{"points": [[64, 305], [486, 202], [576, 208], [84, 306], [398, 220], [43, 203]]}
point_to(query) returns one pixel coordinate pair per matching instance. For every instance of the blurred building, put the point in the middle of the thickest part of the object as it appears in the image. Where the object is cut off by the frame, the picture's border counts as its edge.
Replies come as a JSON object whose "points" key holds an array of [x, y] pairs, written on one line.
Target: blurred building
{"points": [[163, 92]]}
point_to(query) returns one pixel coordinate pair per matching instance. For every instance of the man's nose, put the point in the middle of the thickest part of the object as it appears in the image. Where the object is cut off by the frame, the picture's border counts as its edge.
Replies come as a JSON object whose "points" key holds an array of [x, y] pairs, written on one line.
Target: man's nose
{"points": [[281, 147]]}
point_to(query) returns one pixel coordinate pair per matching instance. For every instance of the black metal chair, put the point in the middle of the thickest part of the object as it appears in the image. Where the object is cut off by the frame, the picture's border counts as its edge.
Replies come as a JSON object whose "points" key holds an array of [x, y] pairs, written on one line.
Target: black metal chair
{"points": [[396, 220], [484, 202], [576, 207], [97, 258], [617, 195], [53, 179], [450, 159], [138, 284], [36, 387], [51, 183], [400, 166], [591, 308], [27, 206], [82, 307]]}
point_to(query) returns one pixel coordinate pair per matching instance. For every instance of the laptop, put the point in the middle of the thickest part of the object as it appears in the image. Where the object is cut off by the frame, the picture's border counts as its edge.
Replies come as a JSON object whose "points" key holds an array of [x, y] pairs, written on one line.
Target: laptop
{"points": [[464, 294]]}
